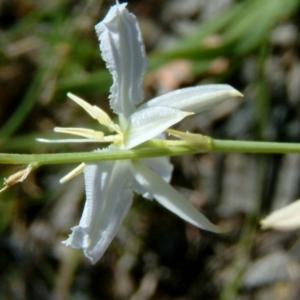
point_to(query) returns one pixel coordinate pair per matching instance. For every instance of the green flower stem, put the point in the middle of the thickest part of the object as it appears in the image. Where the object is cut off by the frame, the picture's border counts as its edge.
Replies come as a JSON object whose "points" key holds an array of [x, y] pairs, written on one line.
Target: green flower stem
{"points": [[154, 148], [253, 147], [78, 157]]}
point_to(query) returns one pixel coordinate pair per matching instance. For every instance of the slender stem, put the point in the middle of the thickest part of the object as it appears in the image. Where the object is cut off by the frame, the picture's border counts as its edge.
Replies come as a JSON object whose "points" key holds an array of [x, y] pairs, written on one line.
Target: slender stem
{"points": [[78, 157], [181, 148], [253, 147]]}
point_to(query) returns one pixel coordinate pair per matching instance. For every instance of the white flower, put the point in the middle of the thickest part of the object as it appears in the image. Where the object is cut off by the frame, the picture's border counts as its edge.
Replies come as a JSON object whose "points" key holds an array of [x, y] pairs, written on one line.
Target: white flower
{"points": [[109, 185], [283, 219]]}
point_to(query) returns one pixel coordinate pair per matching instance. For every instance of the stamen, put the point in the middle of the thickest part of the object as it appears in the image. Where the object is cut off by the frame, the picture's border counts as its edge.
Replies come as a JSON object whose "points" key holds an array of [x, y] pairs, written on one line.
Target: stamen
{"points": [[97, 113], [117, 139], [87, 133], [90, 134], [67, 141], [73, 173], [85, 105], [4, 188], [104, 119]]}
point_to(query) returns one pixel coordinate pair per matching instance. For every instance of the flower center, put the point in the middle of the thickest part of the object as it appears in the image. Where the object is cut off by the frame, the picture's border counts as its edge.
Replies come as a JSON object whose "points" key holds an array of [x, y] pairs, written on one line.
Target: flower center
{"points": [[90, 135]]}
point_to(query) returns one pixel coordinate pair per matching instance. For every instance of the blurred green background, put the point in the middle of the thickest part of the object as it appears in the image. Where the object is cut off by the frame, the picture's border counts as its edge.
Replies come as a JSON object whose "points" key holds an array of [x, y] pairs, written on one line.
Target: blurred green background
{"points": [[49, 48]]}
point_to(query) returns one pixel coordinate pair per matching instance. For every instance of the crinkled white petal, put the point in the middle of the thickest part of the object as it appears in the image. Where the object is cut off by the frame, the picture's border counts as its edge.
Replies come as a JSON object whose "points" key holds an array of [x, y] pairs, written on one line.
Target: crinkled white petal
{"points": [[108, 199], [161, 166], [169, 197], [123, 50], [147, 123], [195, 99]]}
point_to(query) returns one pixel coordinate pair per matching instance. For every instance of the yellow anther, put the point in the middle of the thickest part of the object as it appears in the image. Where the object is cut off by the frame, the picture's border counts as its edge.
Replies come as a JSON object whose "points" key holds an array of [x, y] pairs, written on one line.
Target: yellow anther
{"points": [[84, 132], [85, 105], [97, 113], [117, 139], [104, 119]]}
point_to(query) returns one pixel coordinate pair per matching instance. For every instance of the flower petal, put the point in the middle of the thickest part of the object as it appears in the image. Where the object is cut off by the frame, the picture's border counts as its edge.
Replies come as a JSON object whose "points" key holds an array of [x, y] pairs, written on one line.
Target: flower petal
{"points": [[108, 199], [161, 166], [147, 123], [170, 198], [284, 219], [123, 50], [195, 99]]}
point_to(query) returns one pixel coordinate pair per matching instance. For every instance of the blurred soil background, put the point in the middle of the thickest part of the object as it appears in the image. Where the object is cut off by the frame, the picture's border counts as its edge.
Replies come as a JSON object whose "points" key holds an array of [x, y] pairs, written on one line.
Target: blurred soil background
{"points": [[49, 48]]}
